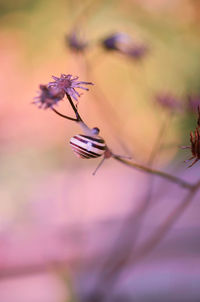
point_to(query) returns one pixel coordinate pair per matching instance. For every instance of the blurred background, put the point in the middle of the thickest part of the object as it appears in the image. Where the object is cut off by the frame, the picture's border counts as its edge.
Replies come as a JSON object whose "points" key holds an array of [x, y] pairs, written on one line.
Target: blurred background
{"points": [[66, 235]]}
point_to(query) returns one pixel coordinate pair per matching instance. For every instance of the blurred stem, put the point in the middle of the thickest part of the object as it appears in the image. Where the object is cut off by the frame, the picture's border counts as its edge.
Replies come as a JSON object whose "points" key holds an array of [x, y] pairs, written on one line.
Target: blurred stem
{"points": [[158, 142], [125, 244], [107, 111], [150, 243], [144, 205], [155, 239]]}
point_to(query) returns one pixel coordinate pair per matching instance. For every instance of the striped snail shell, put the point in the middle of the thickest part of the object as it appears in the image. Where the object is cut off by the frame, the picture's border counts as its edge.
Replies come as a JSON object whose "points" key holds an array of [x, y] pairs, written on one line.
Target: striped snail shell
{"points": [[88, 146]]}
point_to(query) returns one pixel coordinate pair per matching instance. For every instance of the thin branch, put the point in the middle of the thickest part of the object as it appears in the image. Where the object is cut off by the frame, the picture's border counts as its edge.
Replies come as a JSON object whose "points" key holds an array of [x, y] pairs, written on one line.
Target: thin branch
{"points": [[78, 117], [65, 116], [162, 174]]}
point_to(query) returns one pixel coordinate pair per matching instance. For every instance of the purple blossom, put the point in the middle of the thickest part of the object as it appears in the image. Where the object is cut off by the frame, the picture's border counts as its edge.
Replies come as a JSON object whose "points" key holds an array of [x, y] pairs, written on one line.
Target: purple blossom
{"points": [[48, 97], [136, 51], [75, 43], [125, 45], [168, 101], [68, 85], [113, 41]]}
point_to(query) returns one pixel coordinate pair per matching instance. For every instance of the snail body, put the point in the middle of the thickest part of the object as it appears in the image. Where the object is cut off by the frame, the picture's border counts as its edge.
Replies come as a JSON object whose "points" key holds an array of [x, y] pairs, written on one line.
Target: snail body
{"points": [[86, 147], [90, 145]]}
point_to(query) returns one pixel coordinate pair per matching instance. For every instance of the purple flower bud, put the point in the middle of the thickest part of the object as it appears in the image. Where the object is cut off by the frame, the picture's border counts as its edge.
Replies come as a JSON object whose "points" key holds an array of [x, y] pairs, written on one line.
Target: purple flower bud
{"points": [[48, 97], [125, 45], [68, 85], [113, 41], [136, 52], [168, 101], [75, 43]]}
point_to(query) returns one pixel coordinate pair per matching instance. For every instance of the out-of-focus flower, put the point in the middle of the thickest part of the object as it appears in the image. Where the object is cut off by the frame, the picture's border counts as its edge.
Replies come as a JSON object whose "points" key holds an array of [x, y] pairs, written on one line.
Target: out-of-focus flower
{"points": [[125, 45], [136, 51], [168, 101], [49, 96], [75, 42], [193, 102], [113, 41], [68, 85]]}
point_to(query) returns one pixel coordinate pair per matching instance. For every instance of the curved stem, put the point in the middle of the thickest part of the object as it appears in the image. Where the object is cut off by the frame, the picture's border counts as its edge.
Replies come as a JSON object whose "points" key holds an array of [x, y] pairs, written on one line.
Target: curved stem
{"points": [[65, 116], [165, 175]]}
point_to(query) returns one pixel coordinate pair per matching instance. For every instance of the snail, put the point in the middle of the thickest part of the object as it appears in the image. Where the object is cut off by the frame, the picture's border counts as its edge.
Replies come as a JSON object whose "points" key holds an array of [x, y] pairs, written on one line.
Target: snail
{"points": [[90, 145]]}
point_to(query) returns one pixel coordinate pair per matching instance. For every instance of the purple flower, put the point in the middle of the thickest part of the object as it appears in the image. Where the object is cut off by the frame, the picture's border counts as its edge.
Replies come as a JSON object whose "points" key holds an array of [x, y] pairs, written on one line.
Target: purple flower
{"points": [[125, 45], [75, 43], [168, 101], [113, 41], [68, 85], [136, 52], [48, 97]]}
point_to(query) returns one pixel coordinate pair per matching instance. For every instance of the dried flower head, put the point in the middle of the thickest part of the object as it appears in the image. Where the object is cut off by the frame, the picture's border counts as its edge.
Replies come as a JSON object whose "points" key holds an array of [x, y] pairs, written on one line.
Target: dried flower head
{"points": [[75, 42], [68, 85], [48, 97], [195, 146], [195, 142], [168, 101]]}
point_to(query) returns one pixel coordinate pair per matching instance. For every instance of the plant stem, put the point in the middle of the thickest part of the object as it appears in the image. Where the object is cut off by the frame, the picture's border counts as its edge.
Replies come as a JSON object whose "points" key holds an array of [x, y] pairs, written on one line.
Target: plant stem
{"points": [[162, 174], [62, 115], [78, 117]]}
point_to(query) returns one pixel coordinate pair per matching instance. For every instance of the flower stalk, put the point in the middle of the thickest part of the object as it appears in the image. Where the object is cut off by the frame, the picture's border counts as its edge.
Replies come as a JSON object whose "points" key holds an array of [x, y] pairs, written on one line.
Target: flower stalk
{"points": [[184, 184]]}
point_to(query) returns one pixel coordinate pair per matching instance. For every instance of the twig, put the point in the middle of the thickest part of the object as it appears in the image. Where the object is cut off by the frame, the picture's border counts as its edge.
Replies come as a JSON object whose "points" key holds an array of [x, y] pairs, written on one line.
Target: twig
{"points": [[162, 174], [62, 115], [78, 117]]}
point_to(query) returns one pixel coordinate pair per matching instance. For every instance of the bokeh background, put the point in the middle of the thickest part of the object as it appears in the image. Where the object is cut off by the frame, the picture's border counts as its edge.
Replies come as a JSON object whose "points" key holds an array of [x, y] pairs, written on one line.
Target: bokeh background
{"points": [[58, 223]]}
